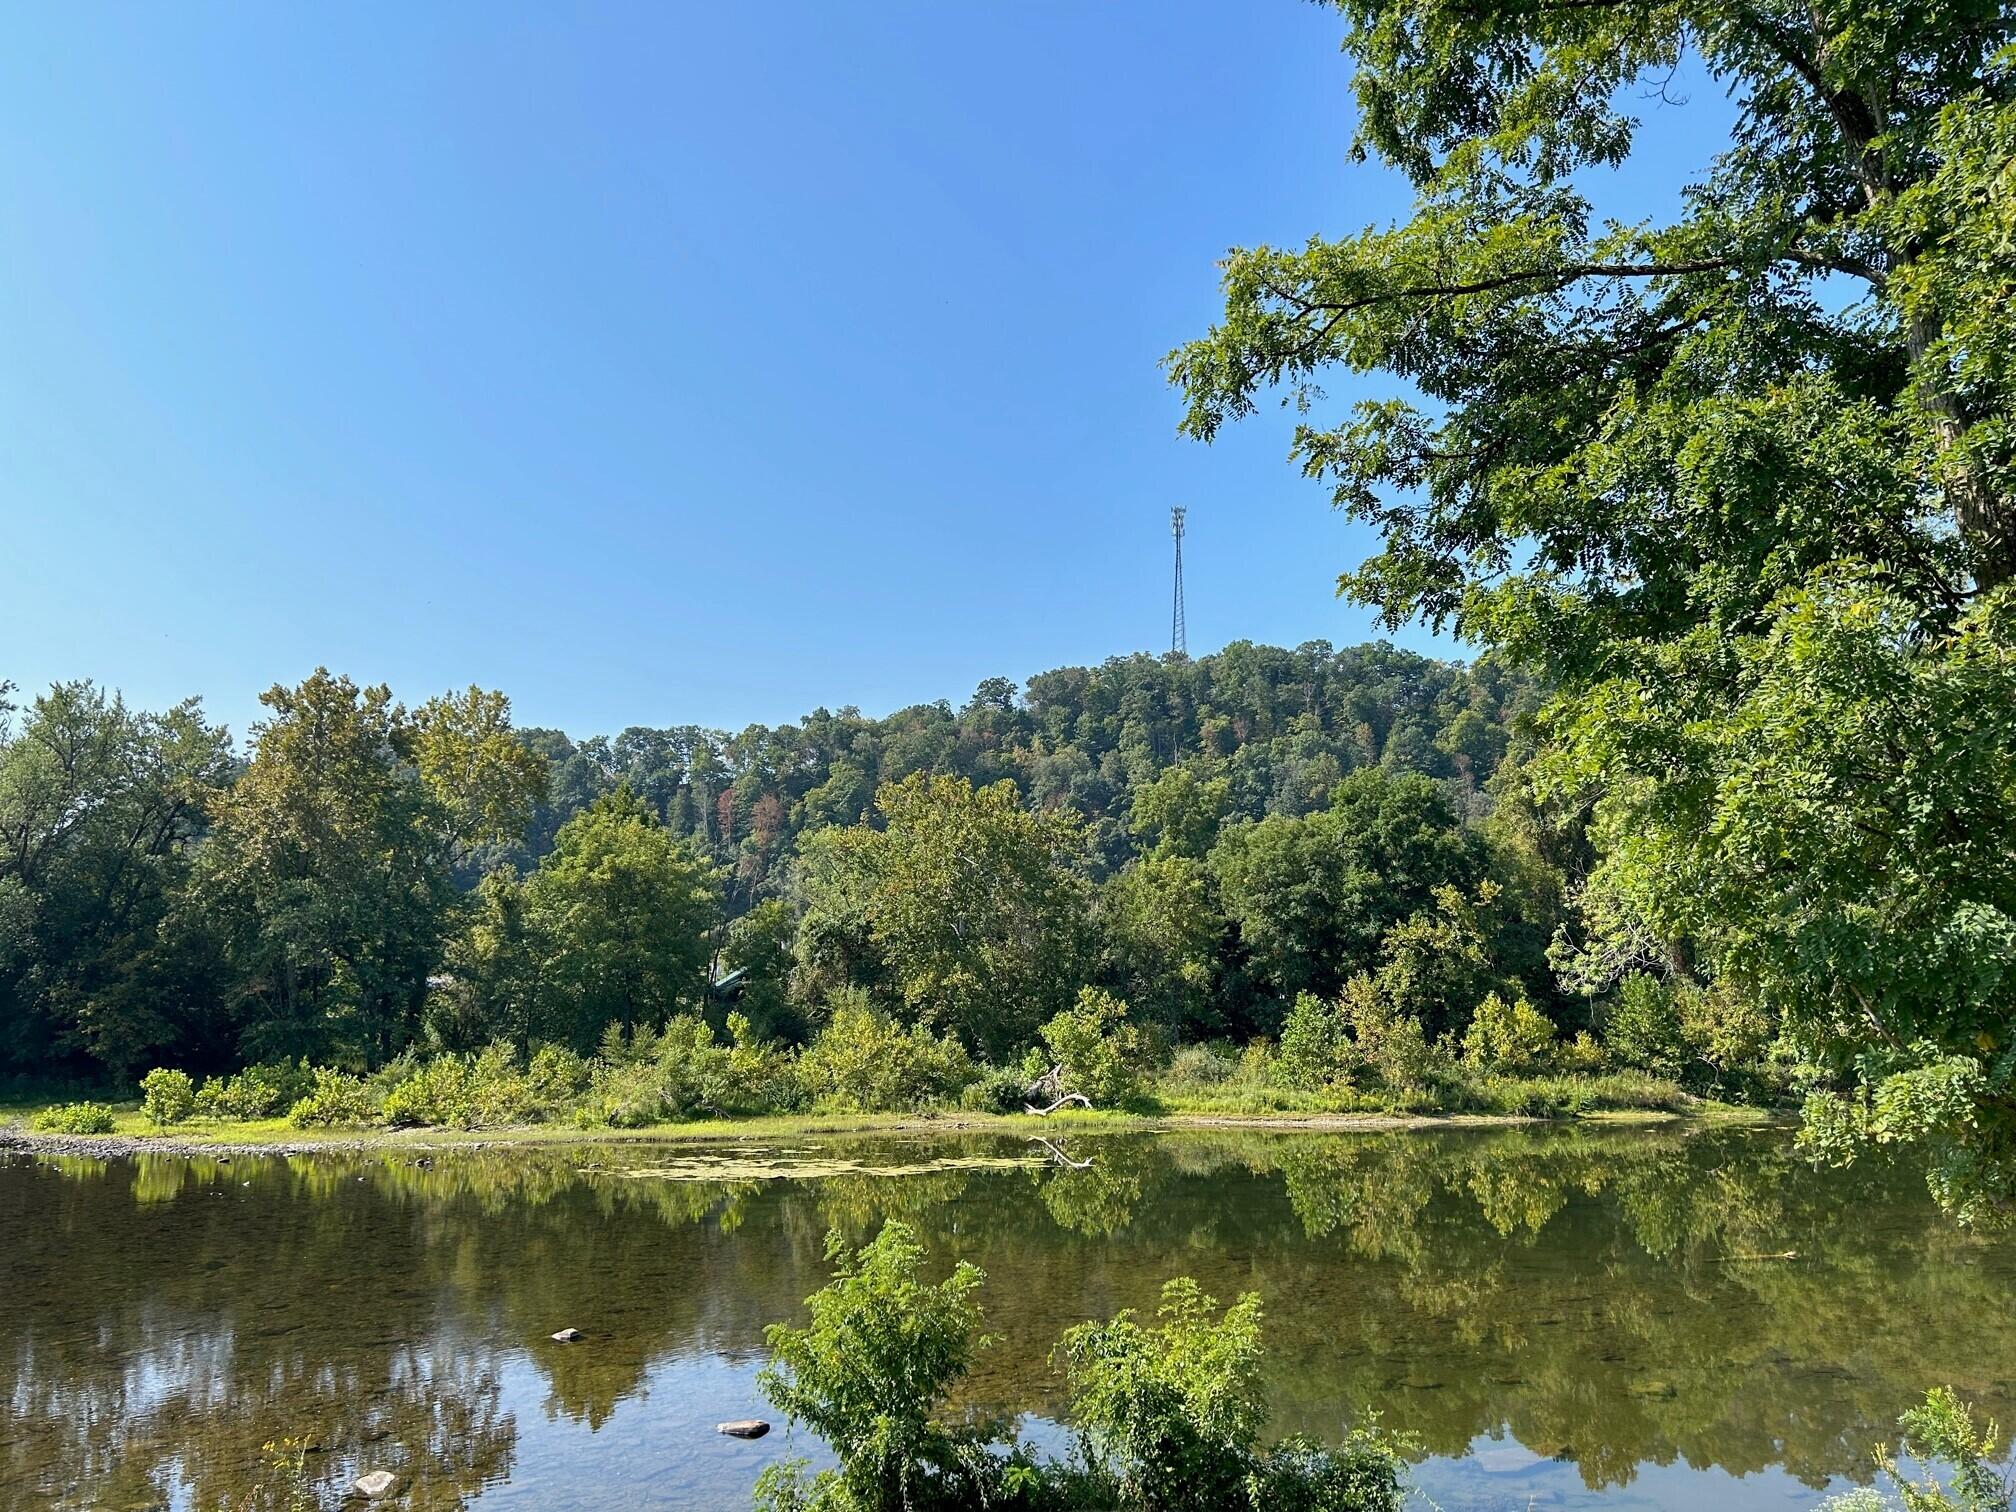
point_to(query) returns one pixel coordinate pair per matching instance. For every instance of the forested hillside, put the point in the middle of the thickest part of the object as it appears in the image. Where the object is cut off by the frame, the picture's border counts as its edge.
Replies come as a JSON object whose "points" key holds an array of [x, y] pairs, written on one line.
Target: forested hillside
{"points": [[1279, 727], [1206, 838]]}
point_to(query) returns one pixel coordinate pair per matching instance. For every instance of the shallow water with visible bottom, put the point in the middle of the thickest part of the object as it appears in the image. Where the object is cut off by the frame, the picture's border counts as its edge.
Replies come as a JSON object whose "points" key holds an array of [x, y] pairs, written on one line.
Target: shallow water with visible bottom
{"points": [[1562, 1318]]}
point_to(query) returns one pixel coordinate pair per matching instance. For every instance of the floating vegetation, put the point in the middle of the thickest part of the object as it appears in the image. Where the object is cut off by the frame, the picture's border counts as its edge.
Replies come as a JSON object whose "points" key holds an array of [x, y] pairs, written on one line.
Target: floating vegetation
{"points": [[787, 1165]]}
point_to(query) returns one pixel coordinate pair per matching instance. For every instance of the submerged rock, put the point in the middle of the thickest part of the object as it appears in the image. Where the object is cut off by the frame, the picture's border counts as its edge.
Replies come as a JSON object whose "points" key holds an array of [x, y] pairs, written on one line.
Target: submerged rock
{"points": [[743, 1428], [568, 1336], [376, 1483]]}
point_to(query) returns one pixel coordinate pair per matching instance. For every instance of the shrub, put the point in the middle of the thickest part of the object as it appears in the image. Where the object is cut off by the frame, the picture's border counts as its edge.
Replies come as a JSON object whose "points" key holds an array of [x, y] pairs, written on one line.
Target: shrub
{"points": [[621, 1095], [76, 1118], [1940, 1431], [1170, 1417], [1582, 1055], [1363, 1474], [262, 1091], [870, 1374], [334, 1100], [1097, 1052], [1725, 1032], [758, 1075], [1171, 1413], [1563, 1096], [684, 1072], [555, 1076], [1196, 1068], [1514, 1038], [1316, 1050], [1393, 1044], [167, 1096], [1642, 1027], [482, 1091], [999, 1090], [1257, 1066], [864, 1061]]}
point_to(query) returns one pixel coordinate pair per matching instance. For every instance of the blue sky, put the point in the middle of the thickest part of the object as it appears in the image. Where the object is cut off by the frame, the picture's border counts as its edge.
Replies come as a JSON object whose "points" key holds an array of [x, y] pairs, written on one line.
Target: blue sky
{"points": [[652, 363]]}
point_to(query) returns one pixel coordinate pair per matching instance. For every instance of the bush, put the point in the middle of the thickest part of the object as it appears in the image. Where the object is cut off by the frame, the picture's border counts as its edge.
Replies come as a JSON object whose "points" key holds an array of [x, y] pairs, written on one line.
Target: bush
{"points": [[167, 1096], [870, 1374], [483, 1091], [1941, 1431], [335, 1099], [1171, 1413], [1726, 1034], [262, 1091], [1311, 1038], [1393, 1044], [556, 1076], [1170, 1417], [1199, 1068], [863, 1061], [684, 1072], [1564, 1096], [1583, 1055], [76, 1118], [1642, 1027], [1514, 1038], [997, 1091], [1098, 1054]]}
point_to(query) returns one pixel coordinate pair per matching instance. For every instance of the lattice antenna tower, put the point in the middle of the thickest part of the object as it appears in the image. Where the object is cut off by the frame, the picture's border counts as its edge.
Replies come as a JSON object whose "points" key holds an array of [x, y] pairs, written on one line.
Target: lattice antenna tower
{"points": [[1179, 635]]}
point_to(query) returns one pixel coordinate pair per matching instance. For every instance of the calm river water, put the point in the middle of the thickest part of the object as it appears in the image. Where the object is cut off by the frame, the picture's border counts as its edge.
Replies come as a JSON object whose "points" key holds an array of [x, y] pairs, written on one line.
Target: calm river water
{"points": [[1565, 1318]]}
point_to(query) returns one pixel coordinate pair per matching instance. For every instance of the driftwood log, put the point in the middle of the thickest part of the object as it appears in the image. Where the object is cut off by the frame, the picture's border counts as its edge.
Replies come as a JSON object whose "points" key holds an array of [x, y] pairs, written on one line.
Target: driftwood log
{"points": [[1050, 1085], [1069, 1097]]}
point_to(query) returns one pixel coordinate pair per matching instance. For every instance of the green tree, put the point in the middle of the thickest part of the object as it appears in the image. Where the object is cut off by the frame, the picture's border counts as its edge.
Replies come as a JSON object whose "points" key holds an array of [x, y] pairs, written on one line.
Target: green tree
{"points": [[486, 779], [1314, 897], [1737, 484], [1178, 814], [101, 807], [328, 873], [1164, 938], [1098, 1054], [974, 904], [759, 946], [621, 915], [1435, 965]]}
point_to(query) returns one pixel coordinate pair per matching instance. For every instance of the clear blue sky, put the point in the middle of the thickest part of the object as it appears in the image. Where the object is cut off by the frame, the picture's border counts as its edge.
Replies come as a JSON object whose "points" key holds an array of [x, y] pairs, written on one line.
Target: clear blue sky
{"points": [[652, 363]]}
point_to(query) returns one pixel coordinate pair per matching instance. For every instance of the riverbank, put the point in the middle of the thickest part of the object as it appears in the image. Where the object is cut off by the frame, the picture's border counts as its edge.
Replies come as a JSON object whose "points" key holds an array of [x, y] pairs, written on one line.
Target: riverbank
{"points": [[134, 1136]]}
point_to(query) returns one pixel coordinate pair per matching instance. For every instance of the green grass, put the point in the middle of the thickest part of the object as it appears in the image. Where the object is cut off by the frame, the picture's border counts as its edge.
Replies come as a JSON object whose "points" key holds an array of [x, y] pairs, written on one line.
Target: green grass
{"points": [[1615, 1097]]}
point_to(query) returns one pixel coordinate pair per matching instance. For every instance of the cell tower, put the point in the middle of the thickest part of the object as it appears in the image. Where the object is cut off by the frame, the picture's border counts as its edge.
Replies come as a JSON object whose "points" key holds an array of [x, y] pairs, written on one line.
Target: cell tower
{"points": [[1179, 637]]}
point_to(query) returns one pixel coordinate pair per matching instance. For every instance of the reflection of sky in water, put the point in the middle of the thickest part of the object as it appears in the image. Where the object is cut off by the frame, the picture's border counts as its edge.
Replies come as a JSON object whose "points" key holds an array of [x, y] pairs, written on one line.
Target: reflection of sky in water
{"points": [[661, 1450], [1569, 1320], [1503, 1474]]}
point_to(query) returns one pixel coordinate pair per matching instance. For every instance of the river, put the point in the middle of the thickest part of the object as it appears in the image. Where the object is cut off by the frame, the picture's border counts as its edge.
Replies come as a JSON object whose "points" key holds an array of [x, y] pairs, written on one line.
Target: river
{"points": [[1562, 1317]]}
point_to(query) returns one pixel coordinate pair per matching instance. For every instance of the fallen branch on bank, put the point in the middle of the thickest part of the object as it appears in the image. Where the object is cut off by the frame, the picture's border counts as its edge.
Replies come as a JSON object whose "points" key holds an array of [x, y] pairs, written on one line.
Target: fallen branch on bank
{"points": [[1069, 1097]]}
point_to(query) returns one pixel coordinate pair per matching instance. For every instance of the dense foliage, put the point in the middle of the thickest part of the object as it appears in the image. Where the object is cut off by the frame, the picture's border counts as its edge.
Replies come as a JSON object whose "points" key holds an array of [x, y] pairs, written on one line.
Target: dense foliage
{"points": [[372, 879], [1168, 1418], [431, 917], [1737, 485]]}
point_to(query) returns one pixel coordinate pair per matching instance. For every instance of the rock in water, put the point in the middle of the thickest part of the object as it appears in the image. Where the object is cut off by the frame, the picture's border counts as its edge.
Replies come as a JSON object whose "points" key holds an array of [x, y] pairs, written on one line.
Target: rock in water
{"points": [[743, 1428], [377, 1483], [568, 1336]]}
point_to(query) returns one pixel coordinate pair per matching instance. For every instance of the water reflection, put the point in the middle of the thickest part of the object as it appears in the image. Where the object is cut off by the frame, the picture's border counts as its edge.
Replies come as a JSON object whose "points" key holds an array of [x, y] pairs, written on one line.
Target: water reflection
{"points": [[183, 1332]]}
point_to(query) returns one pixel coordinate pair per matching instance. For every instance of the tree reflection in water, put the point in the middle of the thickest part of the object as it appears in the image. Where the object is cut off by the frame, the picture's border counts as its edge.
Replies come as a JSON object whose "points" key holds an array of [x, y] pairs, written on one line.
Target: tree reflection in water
{"points": [[1614, 1298]]}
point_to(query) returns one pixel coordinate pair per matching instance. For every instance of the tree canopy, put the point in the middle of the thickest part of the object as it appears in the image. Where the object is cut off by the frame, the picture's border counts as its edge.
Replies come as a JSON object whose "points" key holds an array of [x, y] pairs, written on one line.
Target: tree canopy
{"points": [[1735, 484]]}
